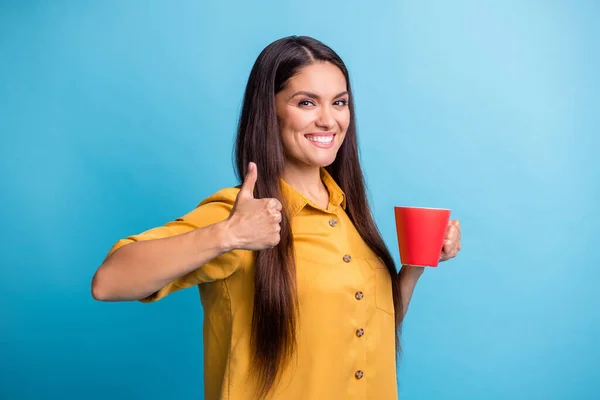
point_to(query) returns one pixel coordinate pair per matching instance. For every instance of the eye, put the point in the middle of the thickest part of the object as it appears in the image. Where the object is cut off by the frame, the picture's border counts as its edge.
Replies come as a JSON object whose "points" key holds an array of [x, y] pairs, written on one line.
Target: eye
{"points": [[306, 103], [341, 103]]}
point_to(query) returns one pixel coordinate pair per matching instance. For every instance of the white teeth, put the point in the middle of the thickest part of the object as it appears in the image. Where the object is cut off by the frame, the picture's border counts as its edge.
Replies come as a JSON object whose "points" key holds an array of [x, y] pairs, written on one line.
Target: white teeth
{"points": [[320, 139]]}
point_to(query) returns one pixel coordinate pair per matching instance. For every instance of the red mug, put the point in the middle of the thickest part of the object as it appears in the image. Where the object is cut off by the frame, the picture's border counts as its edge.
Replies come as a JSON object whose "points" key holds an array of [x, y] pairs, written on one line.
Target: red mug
{"points": [[421, 233]]}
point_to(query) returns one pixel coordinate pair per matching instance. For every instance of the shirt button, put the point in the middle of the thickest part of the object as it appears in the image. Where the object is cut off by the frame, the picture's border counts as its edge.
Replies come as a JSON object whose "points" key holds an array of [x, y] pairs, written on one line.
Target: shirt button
{"points": [[359, 295], [332, 222], [360, 332], [358, 374], [347, 258]]}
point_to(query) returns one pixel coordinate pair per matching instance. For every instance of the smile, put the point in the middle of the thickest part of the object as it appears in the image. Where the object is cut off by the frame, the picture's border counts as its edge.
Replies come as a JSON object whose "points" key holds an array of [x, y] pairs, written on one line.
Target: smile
{"points": [[321, 140]]}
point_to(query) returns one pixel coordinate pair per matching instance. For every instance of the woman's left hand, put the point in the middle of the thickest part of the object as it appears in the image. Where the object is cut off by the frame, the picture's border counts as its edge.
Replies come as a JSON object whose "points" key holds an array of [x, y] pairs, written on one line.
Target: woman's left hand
{"points": [[451, 241]]}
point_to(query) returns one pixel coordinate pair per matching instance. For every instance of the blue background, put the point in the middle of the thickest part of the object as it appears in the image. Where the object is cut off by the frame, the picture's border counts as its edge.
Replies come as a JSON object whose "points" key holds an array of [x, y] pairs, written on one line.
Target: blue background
{"points": [[118, 116]]}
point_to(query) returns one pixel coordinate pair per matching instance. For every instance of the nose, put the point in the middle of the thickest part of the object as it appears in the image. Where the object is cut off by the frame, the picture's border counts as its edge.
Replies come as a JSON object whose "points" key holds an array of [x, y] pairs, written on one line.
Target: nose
{"points": [[325, 119]]}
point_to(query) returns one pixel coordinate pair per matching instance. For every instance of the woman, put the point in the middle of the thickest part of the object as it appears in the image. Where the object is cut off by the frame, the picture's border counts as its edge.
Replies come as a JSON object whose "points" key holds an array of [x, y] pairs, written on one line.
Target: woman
{"points": [[301, 296]]}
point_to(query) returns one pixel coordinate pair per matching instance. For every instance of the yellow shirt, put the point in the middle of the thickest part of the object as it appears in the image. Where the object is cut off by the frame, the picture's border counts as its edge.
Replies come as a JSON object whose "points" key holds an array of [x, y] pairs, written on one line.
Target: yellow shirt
{"points": [[346, 330]]}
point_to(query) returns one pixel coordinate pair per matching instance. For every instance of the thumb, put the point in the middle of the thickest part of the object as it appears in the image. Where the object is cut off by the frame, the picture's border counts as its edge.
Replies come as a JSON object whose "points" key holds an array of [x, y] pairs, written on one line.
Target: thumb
{"points": [[247, 189]]}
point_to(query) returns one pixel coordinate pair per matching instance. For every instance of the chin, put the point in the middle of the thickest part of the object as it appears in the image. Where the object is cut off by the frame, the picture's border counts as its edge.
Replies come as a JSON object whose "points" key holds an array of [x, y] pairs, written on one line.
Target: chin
{"points": [[322, 161]]}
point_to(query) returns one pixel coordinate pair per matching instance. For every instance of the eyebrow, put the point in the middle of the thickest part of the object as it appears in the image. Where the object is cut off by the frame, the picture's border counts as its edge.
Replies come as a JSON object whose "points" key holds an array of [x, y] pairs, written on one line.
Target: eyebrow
{"points": [[316, 96]]}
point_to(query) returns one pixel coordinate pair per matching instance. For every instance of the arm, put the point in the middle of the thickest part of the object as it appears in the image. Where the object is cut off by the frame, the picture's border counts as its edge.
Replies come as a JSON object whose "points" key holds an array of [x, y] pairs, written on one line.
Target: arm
{"points": [[139, 269], [179, 254], [408, 277]]}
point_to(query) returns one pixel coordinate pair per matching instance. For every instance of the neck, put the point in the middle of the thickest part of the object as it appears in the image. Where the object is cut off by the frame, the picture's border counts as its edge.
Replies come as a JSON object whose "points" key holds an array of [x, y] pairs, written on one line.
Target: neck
{"points": [[306, 179], [303, 177]]}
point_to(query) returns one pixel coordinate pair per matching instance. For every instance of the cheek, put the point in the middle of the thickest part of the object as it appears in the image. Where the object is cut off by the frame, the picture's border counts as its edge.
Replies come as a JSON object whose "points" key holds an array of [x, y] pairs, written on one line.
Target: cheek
{"points": [[292, 123], [297, 120]]}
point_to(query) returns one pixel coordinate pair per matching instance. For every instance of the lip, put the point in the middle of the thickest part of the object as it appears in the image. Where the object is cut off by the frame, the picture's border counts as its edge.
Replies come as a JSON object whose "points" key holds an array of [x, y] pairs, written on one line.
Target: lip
{"points": [[321, 134]]}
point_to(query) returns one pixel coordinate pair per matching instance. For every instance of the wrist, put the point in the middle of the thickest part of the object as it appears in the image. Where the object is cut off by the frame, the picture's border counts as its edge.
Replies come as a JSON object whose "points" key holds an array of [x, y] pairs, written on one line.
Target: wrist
{"points": [[412, 273], [226, 237], [230, 236]]}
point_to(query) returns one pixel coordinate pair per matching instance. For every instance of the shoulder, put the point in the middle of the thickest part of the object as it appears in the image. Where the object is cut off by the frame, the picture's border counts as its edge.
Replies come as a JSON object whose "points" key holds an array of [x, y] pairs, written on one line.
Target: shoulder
{"points": [[212, 209], [215, 208], [224, 196]]}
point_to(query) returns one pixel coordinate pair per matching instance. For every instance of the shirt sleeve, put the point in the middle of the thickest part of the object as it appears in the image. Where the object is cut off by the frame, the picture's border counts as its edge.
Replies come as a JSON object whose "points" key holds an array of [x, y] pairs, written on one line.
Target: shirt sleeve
{"points": [[210, 211]]}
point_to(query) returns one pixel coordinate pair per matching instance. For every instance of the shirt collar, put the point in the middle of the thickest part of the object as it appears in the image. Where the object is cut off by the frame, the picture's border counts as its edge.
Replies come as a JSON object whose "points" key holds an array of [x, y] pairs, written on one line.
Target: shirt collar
{"points": [[296, 201]]}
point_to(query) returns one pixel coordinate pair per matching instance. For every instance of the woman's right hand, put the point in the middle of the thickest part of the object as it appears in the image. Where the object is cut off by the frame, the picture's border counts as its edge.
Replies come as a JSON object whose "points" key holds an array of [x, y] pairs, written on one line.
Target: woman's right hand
{"points": [[254, 224]]}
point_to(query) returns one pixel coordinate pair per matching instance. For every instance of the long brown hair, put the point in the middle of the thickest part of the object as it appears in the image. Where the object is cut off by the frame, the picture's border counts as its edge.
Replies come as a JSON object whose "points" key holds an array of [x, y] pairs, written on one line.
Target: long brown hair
{"points": [[258, 139]]}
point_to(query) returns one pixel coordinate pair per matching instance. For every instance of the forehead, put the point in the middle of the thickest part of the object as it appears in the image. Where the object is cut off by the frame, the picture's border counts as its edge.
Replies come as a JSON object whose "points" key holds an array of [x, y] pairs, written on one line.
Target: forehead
{"points": [[321, 78]]}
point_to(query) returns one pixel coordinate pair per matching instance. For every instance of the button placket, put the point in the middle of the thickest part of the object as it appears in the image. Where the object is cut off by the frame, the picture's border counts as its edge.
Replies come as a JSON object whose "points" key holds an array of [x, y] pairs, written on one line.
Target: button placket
{"points": [[360, 332]]}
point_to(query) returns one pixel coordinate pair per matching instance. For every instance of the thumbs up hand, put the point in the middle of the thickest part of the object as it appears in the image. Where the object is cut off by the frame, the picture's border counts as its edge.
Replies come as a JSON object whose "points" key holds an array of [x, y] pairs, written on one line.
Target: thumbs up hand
{"points": [[254, 224]]}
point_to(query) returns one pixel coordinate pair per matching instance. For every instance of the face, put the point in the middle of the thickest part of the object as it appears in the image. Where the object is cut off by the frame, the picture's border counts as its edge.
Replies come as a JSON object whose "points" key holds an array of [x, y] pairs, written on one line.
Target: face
{"points": [[313, 115]]}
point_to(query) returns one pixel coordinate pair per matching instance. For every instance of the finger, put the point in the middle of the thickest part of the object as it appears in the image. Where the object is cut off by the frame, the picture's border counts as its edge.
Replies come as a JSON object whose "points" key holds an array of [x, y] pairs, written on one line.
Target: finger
{"points": [[276, 241], [278, 217], [449, 228], [274, 205], [444, 256], [447, 248], [247, 189], [453, 233], [455, 249], [456, 225]]}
